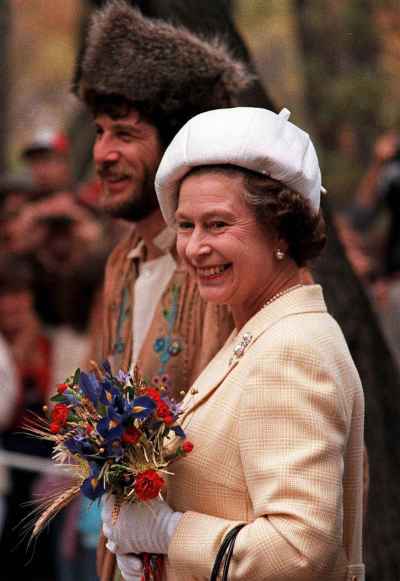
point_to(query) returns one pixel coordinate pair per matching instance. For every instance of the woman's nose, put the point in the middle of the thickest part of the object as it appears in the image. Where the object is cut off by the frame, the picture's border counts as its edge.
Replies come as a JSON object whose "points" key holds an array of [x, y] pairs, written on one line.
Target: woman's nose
{"points": [[198, 246]]}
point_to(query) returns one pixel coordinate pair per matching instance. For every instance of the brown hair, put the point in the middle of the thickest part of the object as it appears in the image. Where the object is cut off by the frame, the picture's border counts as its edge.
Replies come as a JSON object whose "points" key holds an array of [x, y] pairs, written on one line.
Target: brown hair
{"points": [[281, 209], [118, 107]]}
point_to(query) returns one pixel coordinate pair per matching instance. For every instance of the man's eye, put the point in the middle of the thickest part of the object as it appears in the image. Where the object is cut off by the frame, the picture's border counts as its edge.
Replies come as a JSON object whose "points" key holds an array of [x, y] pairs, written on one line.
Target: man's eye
{"points": [[99, 132], [124, 135]]}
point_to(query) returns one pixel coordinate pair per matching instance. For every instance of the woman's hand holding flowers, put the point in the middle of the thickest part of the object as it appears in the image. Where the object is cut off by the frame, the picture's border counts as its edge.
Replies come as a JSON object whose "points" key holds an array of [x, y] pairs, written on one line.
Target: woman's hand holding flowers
{"points": [[131, 567], [140, 528]]}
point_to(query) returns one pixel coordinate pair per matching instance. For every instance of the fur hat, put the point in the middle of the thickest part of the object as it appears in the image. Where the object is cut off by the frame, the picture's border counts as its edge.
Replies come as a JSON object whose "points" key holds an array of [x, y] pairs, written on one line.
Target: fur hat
{"points": [[169, 72]]}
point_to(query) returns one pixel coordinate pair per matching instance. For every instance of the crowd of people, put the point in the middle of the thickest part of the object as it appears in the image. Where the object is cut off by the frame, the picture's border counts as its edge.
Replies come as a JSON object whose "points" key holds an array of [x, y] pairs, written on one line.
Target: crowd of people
{"points": [[91, 271], [53, 247]]}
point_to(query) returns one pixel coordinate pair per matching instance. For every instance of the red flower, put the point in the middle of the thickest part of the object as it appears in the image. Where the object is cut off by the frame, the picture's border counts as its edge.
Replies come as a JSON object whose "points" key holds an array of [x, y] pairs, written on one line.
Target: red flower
{"points": [[55, 428], [131, 435], [187, 447], [148, 484], [61, 387], [153, 393], [60, 414], [164, 412], [89, 428]]}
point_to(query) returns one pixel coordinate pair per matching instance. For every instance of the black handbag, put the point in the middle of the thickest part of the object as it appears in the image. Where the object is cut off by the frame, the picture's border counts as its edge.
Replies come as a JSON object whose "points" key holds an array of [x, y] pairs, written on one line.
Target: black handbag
{"points": [[224, 554]]}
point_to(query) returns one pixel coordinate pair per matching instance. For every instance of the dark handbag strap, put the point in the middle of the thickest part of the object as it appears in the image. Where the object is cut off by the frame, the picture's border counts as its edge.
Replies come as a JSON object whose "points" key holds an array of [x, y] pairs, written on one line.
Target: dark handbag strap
{"points": [[224, 554]]}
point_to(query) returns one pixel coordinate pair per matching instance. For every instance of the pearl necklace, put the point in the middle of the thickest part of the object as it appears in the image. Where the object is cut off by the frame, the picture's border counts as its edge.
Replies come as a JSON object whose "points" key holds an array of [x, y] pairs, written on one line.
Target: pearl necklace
{"points": [[282, 293]]}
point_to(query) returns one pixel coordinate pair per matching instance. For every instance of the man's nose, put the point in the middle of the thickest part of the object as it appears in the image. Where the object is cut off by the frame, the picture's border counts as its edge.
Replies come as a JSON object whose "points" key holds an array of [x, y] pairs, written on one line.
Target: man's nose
{"points": [[105, 152]]}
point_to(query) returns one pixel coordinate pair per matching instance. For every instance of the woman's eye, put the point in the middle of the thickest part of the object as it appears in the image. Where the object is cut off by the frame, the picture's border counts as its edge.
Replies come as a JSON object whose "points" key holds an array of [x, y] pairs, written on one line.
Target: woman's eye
{"points": [[184, 225], [217, 225]]}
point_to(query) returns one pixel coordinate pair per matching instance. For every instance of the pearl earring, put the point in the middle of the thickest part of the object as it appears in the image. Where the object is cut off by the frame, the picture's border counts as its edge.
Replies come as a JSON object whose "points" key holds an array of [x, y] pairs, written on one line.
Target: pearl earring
{"points": [[279, 254]]}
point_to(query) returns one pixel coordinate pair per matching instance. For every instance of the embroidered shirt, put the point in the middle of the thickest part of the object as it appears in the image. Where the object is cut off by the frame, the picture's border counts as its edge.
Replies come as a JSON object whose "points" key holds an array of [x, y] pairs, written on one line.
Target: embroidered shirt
{"points": [[149, 286]]}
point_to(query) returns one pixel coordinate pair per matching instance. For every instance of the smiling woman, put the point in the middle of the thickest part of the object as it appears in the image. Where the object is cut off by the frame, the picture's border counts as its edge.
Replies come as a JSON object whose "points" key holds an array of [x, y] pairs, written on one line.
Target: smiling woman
{"points": [[231, 222], [276, 418], [225, 247]]}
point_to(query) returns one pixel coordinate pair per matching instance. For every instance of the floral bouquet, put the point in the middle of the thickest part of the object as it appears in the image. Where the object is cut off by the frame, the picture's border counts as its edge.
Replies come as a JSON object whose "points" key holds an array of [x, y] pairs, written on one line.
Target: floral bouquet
{"points": [[112, 432]]}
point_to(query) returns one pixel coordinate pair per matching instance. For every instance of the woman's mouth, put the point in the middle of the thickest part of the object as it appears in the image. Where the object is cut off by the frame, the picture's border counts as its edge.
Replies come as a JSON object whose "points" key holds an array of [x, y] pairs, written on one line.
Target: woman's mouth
{"points": [[211, 272]]}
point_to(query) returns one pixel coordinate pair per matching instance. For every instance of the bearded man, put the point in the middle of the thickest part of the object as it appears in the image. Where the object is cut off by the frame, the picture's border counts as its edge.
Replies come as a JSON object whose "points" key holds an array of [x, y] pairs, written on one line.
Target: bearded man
{"points": [[142, 80]]}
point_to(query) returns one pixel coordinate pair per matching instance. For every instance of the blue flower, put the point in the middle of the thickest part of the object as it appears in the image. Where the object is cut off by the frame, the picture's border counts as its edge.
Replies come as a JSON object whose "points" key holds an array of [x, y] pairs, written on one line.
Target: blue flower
{"points": [[114, 449], [79, 445], [92, 487], [89, 386], [107, 367], [70, 398], [142, 407], [178, 431], [109, 394], [123, 377], [110, 427]]}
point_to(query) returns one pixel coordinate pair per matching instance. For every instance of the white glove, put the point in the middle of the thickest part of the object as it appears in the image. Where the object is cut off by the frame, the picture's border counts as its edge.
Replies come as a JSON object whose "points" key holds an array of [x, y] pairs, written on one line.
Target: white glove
{"points": [[140, 528], [131, 567]]}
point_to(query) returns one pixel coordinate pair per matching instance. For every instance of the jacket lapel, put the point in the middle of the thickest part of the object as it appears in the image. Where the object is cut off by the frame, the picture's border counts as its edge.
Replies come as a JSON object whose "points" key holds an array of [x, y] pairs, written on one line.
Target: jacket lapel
{"points": [[239, 345]]}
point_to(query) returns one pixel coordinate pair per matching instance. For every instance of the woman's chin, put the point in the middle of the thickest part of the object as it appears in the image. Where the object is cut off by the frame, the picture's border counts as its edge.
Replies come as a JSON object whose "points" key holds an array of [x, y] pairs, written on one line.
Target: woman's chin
{"points": [[213, 294]]}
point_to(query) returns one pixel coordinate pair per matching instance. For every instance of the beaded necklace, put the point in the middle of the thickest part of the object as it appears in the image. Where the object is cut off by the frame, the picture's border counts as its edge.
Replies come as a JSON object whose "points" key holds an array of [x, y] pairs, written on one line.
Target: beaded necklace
{"points": [[282, 293]]}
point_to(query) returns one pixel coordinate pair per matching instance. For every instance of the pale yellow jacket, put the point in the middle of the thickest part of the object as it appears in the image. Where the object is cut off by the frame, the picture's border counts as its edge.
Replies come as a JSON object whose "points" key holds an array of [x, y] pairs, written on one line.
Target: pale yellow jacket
{"points": [[278, 444]]}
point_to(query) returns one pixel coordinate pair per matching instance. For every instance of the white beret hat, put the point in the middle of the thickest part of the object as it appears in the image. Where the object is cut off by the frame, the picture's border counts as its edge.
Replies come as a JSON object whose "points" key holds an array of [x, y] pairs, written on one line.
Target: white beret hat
{"points": [[248, 137]]}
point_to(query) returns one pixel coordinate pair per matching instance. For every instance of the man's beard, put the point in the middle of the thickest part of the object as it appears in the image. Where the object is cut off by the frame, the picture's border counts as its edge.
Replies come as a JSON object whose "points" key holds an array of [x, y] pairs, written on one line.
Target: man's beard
{"points": [[135, 207]]}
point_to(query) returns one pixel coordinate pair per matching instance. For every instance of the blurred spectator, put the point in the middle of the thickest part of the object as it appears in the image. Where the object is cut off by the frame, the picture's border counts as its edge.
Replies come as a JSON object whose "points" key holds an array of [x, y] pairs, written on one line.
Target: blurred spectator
{"points": [[31, 349], [50, 287], [47, 155], [67, 247], [15, 190], [356, 249], [44, 358], [46, 310], [379, 192]]}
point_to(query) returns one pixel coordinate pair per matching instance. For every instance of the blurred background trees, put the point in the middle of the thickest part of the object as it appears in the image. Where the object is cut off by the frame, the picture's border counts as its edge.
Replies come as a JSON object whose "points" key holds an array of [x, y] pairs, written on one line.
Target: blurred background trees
{"points": [[335, 64]]}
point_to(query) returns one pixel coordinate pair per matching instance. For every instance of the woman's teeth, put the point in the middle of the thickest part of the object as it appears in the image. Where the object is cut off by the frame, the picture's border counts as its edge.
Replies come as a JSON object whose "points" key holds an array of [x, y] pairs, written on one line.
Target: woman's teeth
{"points": [[212, 270]]}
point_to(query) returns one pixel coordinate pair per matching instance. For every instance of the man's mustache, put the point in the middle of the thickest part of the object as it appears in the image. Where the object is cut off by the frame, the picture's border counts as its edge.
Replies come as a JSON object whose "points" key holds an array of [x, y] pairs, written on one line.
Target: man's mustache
{"points": [[105, 172]]}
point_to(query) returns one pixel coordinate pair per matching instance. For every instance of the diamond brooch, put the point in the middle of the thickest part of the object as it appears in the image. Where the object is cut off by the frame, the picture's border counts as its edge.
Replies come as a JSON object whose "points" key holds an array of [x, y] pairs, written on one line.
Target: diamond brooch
{"points": [[240, 348]]}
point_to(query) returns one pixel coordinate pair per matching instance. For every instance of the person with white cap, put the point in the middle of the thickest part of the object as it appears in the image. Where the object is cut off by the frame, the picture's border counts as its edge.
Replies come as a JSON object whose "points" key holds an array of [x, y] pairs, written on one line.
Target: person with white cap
{"points": [[277, 416], [47, 156]]}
